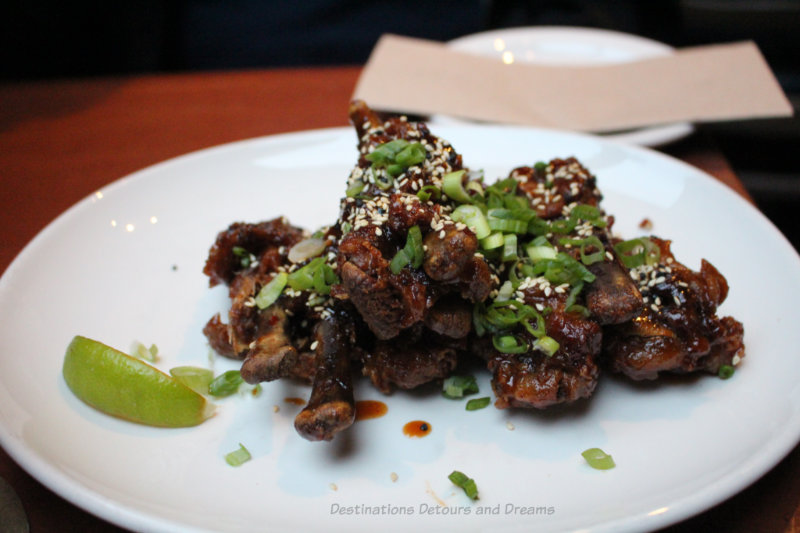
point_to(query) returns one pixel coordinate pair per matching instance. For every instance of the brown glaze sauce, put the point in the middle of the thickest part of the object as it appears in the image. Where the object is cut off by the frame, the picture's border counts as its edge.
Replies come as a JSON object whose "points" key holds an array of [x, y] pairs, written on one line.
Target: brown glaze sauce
{"points": [[295, 401], [417, 428], [366, 409]]}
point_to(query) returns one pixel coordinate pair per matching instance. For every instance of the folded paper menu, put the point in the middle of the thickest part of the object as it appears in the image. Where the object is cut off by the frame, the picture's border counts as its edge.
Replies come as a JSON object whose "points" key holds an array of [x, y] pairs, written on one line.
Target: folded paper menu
{"points": [[706, 83]]}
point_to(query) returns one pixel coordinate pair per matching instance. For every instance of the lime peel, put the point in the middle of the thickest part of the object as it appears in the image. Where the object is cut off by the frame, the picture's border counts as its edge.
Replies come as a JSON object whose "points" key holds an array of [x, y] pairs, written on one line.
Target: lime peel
{"points": [[129, 388]]}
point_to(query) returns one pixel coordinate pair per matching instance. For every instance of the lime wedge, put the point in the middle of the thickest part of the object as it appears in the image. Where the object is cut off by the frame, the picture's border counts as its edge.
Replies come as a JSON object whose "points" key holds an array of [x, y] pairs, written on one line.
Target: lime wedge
{"points": [[123, 386]]}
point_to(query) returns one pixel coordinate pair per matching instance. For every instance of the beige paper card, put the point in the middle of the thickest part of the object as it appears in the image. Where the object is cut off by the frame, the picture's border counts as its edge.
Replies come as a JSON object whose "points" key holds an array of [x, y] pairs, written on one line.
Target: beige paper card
{"points": [[708, 83]]}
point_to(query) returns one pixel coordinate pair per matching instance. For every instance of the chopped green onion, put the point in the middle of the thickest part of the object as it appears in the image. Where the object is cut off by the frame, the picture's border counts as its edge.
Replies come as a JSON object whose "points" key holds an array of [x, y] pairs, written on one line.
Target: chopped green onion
{"points": [[412, 254], [459, 386], [544, 251], [541, 166], [563, 226], [478, 403], [507, 225], [495, 240], [270, 292], [539, 330], [411, 155], [225, 384], [546, 344], [306, 249], [590, 213], [509, 344], [598, 459], [317, 274], [428, 192], [244, 256], [505, 291], [637, 252], [385, 181], [385, 153], [726, 371], [395, 156], [453, 187], [583, 244], [510, 248], [399, 261], [562, 269], [238, 457], [196, 378], [475, 186], [414, 247], [474, 218], [142, 352], [459, 479], [354, 189]]}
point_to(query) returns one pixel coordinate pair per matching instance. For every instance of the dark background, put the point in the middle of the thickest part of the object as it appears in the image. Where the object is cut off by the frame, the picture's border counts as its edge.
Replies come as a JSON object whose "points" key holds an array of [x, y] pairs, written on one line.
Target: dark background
{"points": [[43, 40]]}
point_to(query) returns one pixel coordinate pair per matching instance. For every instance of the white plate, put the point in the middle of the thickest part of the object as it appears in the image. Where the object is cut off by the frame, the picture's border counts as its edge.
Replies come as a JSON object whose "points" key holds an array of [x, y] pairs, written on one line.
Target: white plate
{"points": [[564, 45], [125, 264]]}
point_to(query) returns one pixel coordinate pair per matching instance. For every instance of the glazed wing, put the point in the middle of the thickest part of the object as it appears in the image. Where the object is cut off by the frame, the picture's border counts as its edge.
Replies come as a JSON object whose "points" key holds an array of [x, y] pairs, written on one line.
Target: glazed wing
{"points": [[677, 329]]}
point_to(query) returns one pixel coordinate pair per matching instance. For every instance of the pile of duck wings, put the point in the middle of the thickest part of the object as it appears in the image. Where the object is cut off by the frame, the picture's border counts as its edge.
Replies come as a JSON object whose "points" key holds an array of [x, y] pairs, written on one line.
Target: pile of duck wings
{"points": [[428, 268]]}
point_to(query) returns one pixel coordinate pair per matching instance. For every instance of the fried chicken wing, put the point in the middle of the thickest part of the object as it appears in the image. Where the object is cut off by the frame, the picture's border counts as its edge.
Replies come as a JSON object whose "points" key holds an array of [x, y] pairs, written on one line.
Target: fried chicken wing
{"points": [[677, 329], [427, 266]]}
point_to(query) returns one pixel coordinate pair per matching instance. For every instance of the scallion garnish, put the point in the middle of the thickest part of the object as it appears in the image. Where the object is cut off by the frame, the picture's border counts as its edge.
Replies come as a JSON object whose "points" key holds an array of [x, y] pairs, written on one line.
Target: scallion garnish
{"points": [[399, 261], [474, 219], [598, 459], [478, 403], [509, 344], [543, 251], [589, 213], [412, 253], [458, 386], [395, 156], [225, 384], [510, 248], [270, 292], [143, 352], [244, 256], [546, 344], [354, 189], [726, 371], [238, 457], [316, 274], [428, 192], [495, 240], [453, 187], [585, 244], [459, 479], [411, 155], [637, 252]]}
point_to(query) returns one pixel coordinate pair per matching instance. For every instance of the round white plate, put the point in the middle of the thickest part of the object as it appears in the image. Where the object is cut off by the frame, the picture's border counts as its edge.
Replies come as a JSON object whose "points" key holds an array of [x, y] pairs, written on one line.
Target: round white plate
{"points": [[564, 45], [125, 265]]}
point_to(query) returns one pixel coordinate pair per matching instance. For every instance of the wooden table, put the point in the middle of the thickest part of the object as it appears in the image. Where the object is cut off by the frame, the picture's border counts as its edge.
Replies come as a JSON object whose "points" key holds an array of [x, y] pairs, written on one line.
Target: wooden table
{"points": [[60, 141]]}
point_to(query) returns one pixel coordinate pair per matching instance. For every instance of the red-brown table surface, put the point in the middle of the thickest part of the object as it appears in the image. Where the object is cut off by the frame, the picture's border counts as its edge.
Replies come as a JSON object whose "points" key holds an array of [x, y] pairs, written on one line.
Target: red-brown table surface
{"points": [[62, 140]]}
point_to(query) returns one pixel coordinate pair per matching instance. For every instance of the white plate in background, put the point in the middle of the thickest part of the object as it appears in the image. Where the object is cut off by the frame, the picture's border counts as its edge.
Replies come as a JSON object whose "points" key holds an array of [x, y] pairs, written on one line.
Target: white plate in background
{"points": [[125, 265], [572, 46]]}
